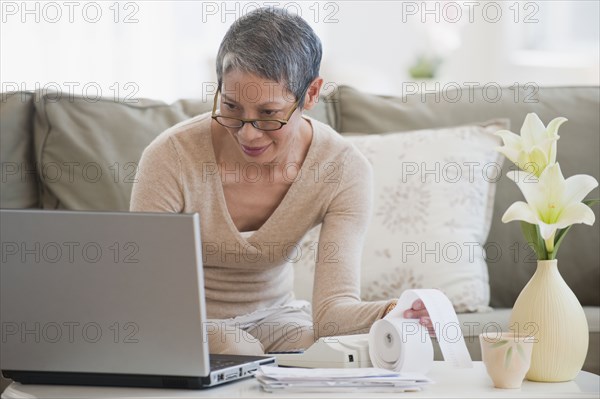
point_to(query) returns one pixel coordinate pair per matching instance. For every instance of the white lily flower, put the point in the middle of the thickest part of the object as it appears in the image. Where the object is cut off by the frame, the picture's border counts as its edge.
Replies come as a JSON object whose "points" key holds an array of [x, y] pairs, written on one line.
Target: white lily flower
{"points": [[552, 202], [535, 148]]}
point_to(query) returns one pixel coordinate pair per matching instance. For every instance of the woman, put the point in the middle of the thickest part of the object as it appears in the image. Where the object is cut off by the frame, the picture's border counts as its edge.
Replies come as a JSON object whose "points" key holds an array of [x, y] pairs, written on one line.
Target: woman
{"points": [[261, 175]]}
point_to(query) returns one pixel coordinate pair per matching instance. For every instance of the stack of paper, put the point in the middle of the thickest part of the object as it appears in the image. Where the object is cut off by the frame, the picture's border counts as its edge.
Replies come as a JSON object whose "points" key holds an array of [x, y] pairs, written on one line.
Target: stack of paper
{"points": [[277, 379]]}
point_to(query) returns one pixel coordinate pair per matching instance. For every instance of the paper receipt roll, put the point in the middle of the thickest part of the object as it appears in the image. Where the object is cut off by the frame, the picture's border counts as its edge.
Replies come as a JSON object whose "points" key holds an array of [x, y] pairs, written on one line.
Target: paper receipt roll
{"points": [[403, 345]]}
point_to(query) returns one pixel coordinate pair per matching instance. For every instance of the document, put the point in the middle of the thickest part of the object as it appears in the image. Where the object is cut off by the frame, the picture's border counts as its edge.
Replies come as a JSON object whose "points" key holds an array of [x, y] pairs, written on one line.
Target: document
{"points": [[276, 379]]}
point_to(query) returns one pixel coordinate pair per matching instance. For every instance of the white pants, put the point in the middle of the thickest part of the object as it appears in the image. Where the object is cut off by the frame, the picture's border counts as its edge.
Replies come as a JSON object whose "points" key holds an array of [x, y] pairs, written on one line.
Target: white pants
{"points": [[283, 327]]}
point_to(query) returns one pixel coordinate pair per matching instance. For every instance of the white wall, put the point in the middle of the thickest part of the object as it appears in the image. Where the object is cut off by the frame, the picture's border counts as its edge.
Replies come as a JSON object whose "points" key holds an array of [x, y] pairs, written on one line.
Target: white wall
{"points": [[169, 52]]}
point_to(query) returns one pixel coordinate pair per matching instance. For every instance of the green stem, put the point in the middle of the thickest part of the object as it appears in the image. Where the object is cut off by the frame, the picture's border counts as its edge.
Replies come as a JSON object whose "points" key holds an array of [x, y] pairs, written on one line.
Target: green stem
{"points": [[550, 246]]}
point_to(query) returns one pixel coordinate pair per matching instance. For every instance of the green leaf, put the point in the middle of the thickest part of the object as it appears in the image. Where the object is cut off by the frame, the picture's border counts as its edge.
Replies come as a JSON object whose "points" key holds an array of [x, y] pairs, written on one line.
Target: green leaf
{"points": [[508, 357], [591, 202], [499, 343], [561, 233], [530, 234]]}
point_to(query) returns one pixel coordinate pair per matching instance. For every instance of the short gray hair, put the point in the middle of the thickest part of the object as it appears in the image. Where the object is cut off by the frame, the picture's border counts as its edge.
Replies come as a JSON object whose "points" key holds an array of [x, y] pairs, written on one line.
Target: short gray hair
{"points": [[275, 45]]}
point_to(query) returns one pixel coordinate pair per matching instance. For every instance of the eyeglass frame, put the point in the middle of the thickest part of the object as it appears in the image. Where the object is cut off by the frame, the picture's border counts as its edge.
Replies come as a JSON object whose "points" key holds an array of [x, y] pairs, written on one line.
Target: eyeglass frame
{"points": [[283, 122]]}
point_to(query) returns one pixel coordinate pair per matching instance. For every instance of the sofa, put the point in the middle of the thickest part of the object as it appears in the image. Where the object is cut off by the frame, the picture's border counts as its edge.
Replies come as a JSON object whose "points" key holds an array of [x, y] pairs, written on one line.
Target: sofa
{"points": [[60, 151]]}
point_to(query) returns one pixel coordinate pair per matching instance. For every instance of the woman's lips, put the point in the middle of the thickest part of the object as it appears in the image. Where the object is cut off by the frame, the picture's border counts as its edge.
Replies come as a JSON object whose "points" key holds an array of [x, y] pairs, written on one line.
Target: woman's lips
{"points": [[254, 151]]}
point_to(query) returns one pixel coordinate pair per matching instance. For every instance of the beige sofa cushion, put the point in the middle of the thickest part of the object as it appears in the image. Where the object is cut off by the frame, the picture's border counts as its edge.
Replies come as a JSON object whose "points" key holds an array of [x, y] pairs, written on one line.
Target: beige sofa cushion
{"points": [[19, 182], [511, 262], [432, 208], [87, 152]]}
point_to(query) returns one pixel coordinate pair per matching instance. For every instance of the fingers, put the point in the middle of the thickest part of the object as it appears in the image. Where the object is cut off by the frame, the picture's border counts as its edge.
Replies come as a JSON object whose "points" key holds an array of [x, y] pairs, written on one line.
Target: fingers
{"points": [[415, 314], [423, 317], [418, 305], [418, 311], [426, 322]]}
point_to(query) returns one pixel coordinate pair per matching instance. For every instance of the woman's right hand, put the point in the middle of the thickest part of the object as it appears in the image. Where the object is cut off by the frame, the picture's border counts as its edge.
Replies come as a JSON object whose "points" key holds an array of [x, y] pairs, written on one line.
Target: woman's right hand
{"points": [[418, 311]]}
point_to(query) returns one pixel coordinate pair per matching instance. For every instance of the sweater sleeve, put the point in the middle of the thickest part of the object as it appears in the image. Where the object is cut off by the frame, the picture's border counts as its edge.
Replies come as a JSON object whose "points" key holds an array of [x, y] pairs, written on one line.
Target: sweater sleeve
{"points": [[158, 183], [337, 308]]}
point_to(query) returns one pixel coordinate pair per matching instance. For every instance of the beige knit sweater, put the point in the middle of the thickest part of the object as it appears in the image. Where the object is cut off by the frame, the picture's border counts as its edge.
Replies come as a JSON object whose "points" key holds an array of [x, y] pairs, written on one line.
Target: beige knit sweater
{"points": [[177, 173]]}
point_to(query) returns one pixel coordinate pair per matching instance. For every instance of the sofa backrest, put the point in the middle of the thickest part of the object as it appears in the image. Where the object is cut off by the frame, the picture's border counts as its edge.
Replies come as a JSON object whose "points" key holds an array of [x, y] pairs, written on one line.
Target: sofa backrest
{"points": [[510, 262], [61, 152], [19, 178]]}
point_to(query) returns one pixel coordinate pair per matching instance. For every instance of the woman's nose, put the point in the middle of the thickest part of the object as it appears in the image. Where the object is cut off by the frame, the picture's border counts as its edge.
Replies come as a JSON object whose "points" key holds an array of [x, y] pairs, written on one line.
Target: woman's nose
{"points": [[248, 133]]}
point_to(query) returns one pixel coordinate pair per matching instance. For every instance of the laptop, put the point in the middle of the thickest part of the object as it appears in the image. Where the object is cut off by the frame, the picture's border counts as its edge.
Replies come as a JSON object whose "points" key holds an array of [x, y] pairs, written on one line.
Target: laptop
{"points": [[107, 298]]}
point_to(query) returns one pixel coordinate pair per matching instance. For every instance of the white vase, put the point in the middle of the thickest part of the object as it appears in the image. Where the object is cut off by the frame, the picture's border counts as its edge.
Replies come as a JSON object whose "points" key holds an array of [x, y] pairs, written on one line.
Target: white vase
{"points": [[548, 309]]}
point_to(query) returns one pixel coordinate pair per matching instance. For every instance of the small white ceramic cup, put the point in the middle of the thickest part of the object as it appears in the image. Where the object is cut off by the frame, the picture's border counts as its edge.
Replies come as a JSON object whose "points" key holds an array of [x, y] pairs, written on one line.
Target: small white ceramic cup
{"points": [[507, 357]]}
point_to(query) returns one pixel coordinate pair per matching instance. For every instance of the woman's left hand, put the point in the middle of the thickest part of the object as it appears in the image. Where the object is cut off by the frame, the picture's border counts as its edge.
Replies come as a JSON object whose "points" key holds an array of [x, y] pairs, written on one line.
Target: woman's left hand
{"points": [[418, 311]]}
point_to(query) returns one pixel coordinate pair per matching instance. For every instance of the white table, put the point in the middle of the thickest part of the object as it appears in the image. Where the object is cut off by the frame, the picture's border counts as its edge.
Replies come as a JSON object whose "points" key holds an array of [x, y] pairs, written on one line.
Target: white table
{"points": [[450, 383]]}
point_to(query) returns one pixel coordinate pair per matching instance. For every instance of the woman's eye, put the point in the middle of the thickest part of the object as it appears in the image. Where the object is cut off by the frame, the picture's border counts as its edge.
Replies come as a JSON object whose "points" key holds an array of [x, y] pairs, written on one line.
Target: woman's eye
{"points": [[229, 106], [269, 112]]}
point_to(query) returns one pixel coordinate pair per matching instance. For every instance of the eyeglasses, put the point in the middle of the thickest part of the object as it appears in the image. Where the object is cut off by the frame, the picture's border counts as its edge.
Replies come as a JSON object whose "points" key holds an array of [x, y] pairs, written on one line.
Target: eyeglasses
{"points": [[260, 124]]}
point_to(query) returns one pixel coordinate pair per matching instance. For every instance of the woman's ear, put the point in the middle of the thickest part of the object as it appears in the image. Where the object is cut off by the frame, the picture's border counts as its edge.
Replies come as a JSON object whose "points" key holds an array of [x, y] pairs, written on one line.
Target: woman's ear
{"points": [[312, 94]]}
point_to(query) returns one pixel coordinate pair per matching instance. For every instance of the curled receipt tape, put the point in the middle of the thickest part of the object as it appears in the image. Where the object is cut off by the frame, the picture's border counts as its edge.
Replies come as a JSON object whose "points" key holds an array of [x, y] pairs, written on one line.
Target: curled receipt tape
{"points": [[403, 345]]}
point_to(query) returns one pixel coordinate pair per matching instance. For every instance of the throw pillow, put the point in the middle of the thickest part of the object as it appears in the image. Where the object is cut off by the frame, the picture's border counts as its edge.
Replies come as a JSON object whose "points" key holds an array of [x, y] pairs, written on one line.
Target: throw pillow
{"points": [[433, 204], [87, 151]]}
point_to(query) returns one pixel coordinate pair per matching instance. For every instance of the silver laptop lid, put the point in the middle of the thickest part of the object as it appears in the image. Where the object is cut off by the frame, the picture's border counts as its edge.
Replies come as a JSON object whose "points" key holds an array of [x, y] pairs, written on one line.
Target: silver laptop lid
{"points": [[105, 292]]}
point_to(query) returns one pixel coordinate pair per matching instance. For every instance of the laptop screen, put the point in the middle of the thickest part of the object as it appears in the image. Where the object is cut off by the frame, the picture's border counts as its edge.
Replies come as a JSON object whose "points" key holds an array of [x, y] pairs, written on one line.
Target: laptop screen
{"points": [[102, 292]]}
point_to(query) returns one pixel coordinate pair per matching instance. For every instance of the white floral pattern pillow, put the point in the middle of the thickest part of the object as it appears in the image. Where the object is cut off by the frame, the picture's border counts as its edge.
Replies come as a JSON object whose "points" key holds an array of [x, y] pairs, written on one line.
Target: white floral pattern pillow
{"points": [[433, 202]]}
